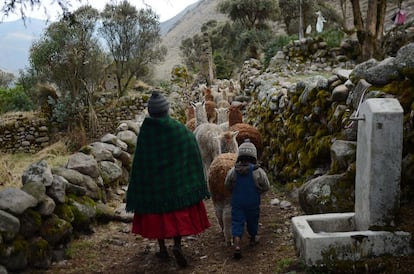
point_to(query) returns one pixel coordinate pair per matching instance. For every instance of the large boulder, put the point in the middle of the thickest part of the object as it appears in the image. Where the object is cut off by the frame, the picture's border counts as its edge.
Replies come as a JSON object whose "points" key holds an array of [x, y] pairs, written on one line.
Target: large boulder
{"points": [[84, 163], [383, 73], [16, 201], [38, 172], [327, 193]]}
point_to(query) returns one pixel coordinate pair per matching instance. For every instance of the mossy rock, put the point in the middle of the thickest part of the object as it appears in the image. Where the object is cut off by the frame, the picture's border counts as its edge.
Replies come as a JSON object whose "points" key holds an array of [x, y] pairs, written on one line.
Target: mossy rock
{"points": [[32, 221], [64, 211], [84, 212], [14, 256], [56, 231], [40, 255]]}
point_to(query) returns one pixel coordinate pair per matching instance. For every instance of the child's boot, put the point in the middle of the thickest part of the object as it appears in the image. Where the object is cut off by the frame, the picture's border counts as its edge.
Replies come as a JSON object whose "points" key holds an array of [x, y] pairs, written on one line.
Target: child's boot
{"points": [[237, 250], [254, 240]]}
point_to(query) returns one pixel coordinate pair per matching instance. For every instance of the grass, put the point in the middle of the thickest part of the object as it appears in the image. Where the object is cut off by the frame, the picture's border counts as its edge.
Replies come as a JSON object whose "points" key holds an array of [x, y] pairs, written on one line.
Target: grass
{"points": [[12, 166]]}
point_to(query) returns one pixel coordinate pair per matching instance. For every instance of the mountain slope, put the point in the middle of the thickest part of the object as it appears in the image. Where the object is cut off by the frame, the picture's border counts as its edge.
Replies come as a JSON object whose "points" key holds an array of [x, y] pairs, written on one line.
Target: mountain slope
{"points": [[188, 23], [16, 38]]}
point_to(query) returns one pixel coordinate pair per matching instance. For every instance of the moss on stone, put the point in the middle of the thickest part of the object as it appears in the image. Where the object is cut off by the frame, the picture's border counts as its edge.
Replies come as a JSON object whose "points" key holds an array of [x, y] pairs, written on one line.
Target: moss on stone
{"points": [[64, 212], [40, 253], [81, 221], [20, 245]]}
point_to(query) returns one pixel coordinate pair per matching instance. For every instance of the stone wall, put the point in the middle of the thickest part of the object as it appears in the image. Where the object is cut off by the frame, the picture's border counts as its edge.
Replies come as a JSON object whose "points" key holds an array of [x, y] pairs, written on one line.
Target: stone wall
{"points": [[24, 133], [315, 53], [111, 113], [31, 132]]}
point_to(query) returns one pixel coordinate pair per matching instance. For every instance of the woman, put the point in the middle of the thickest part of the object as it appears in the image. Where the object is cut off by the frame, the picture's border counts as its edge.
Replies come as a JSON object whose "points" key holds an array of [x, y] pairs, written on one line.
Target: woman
{"points": [[167, 186]]}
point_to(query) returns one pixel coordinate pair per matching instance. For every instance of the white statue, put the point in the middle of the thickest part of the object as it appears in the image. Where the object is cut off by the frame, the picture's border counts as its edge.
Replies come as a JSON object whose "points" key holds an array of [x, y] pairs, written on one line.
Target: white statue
{"points": [[319, 22], [308, 29]]}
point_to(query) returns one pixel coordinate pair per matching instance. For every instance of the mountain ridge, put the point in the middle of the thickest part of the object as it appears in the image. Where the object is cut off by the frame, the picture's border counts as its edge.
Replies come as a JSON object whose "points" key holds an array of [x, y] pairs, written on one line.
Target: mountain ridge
{"points": [[186, 26], [17, 36]]}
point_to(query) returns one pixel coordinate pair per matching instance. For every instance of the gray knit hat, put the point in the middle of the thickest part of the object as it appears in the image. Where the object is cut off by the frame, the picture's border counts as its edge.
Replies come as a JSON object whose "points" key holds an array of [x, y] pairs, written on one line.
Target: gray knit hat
{"points": [[247, 149], [158, 106]]}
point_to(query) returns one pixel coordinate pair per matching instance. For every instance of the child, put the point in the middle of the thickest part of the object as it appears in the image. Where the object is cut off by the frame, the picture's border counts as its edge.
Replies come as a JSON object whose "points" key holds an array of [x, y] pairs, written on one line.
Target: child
{"points": [[246, 181]]}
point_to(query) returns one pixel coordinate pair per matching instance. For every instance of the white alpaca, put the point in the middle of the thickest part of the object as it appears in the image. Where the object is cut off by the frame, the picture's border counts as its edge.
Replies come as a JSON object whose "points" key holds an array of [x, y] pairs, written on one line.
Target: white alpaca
{"points": [[222, 115], [223, 118], [200, 113], [207, 136]]}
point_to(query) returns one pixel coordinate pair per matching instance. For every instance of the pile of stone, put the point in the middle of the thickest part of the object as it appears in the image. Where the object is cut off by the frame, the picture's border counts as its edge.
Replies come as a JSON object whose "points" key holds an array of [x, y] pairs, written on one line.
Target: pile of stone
{"points": [[315, 54], [38, 220]]}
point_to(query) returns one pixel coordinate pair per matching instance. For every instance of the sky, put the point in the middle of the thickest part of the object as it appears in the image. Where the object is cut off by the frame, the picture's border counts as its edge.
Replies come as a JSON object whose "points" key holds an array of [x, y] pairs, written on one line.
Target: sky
{"points": [[166, 9]]}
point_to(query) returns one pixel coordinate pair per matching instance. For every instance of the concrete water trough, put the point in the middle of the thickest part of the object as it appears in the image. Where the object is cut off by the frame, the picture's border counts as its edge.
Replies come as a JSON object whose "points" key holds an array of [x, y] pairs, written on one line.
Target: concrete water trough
{"points": [[322, 239]]}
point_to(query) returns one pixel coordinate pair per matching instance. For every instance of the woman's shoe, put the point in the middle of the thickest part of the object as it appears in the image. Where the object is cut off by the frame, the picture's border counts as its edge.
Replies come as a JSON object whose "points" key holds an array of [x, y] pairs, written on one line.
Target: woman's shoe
{"points": [[163, 255], [179, 256]]}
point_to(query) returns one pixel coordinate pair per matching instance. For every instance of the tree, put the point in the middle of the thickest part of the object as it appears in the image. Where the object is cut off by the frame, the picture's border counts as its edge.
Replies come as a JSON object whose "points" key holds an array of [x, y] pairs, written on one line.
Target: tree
{"points": [[252, 16], [6, 79], [369, 29], [10, 6], [190, 51], [69, 56], [133, 39]]}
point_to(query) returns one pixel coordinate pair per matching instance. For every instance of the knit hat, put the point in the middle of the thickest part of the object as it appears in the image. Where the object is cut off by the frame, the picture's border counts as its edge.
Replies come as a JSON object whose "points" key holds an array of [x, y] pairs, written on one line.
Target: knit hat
{"points": [[247, 149], [158, 106]]}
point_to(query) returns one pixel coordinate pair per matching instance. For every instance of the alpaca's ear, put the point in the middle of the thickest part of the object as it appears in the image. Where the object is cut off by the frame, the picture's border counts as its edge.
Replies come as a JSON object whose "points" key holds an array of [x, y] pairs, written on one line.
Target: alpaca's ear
{"points": [[193, 104], [235, 133]]}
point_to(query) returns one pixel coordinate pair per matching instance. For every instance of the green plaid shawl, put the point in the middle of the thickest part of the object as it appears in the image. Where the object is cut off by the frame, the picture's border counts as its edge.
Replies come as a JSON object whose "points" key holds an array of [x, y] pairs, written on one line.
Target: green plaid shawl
{"points": [[167, 171]]}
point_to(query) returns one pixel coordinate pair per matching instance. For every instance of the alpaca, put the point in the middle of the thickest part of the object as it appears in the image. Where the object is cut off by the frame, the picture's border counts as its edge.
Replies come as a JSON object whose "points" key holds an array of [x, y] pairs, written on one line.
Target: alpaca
{"points": [[235, 114], [220, 195], [216, 177], [208, 96], [190, 118], [222, 115], [190, 113], [223, 104], [247, 131], [190, 124], [228, 141], [210, 107], [208, 139], [200, 113]]}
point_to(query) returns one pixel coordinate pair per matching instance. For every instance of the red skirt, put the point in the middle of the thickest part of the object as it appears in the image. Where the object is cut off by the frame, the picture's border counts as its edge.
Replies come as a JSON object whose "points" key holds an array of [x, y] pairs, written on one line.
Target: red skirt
{"points": [[188, 221]]}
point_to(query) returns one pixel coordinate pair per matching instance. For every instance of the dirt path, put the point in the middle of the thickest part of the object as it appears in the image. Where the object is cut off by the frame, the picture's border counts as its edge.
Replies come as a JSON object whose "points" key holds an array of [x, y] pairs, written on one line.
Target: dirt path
{"points": [[113, 249]]}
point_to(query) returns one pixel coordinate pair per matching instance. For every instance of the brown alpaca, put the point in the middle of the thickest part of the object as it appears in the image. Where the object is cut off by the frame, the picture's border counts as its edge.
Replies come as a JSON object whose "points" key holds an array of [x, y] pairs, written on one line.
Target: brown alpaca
{"points": [[190, 113], [190, 118], [208, 96], [235, 114], [211, 111], [220, 195], [247, 131], [190, 124]]}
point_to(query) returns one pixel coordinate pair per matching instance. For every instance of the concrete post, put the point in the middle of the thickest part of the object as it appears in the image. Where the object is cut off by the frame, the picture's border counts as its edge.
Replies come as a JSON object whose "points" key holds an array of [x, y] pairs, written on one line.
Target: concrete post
{"points": [[378, 160]]}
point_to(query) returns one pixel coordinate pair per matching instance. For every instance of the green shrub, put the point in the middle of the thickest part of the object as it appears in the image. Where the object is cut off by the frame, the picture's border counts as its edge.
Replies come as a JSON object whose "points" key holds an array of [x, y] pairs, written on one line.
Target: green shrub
{"points": [[224, 68], [14, 99], [276, 44], [332, 37]]}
